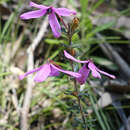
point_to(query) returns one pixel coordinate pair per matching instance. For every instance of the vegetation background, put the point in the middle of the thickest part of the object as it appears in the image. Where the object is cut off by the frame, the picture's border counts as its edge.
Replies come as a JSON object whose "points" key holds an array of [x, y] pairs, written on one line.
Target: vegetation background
{"points": [[103, 35]]}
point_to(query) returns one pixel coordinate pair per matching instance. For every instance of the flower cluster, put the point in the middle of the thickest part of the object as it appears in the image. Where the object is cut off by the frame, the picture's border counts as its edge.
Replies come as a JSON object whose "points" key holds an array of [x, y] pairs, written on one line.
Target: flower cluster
{"points": [[49, 69]]}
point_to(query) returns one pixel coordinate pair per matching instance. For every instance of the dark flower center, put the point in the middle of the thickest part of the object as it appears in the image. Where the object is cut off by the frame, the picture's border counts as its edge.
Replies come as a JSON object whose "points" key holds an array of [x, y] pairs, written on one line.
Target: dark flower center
{"points": [[49, 10]]}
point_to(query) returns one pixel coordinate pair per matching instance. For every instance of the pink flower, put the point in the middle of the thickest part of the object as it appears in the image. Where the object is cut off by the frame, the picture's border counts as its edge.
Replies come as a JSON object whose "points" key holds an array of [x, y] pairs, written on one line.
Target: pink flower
{"points": [[87, 67], [51, 11], [48, 70]]}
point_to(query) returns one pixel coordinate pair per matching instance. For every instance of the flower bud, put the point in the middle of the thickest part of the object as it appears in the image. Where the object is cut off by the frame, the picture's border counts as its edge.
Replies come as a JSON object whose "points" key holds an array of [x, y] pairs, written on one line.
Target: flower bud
{"points": [[72, 52], [75, 24]]}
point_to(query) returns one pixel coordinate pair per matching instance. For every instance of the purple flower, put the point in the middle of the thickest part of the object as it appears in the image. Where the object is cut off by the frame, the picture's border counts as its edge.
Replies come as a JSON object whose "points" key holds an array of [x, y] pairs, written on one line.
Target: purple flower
{"points": [[51, 11], [48, 70], [87, 67]]}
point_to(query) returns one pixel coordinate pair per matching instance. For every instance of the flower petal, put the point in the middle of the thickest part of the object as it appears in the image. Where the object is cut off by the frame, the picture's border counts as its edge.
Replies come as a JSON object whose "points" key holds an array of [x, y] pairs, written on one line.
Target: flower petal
{"points": [[29, 72], [54, 72], [37, 5], [74, 74], [84, 71], [67, 55], [33, 14], [55, 26], [95, 73], [105, 73], [43, 73], [64, 11]]}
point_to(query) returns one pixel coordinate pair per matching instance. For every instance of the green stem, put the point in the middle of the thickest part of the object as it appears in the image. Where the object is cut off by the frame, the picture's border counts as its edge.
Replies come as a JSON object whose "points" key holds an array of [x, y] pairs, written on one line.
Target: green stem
{"points": [[78, 98], [75, 85], [70, 33]]}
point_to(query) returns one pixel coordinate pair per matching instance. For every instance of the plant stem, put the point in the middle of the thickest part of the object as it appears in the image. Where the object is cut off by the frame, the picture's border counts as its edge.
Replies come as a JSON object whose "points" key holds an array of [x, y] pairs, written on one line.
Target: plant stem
{"points": [[69, 35], [62, 21], [78, 98], [75, 85]]}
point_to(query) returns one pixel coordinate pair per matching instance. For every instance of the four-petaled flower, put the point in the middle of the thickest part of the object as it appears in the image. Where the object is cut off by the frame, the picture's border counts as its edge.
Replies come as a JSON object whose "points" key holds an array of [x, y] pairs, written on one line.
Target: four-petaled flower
{"points": [[48, 70], [87, 67], [51, 11]]}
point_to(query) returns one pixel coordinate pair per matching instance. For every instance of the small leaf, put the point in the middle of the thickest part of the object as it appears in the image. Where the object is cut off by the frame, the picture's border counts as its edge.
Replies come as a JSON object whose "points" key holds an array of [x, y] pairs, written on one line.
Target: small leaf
{"points": [[100, 28], [5, 73], [75, 37], [54, 41]]}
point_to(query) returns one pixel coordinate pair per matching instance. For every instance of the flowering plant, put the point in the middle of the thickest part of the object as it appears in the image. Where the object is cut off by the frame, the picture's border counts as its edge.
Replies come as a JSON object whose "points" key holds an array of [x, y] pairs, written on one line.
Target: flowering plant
{"points": [[49, 69]]}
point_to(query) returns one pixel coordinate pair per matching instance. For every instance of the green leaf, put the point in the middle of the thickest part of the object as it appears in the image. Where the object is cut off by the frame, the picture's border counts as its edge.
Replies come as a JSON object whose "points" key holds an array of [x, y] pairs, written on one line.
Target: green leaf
{"points": [[75, 37], [54, 41], [100, 28], [4, 74], [6, 26], [84, 5], [55, 53], [96, 5]]}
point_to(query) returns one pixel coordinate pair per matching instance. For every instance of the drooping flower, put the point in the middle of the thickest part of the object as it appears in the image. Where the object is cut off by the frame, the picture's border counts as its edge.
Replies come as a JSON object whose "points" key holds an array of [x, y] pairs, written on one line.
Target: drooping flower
{"points": [[86, 68], [48, 70], [51, 11]]}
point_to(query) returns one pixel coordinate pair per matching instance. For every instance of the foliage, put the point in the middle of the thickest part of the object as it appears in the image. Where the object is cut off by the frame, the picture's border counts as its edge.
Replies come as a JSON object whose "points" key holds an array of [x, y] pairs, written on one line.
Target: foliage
{"points": [[54, 105]]}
